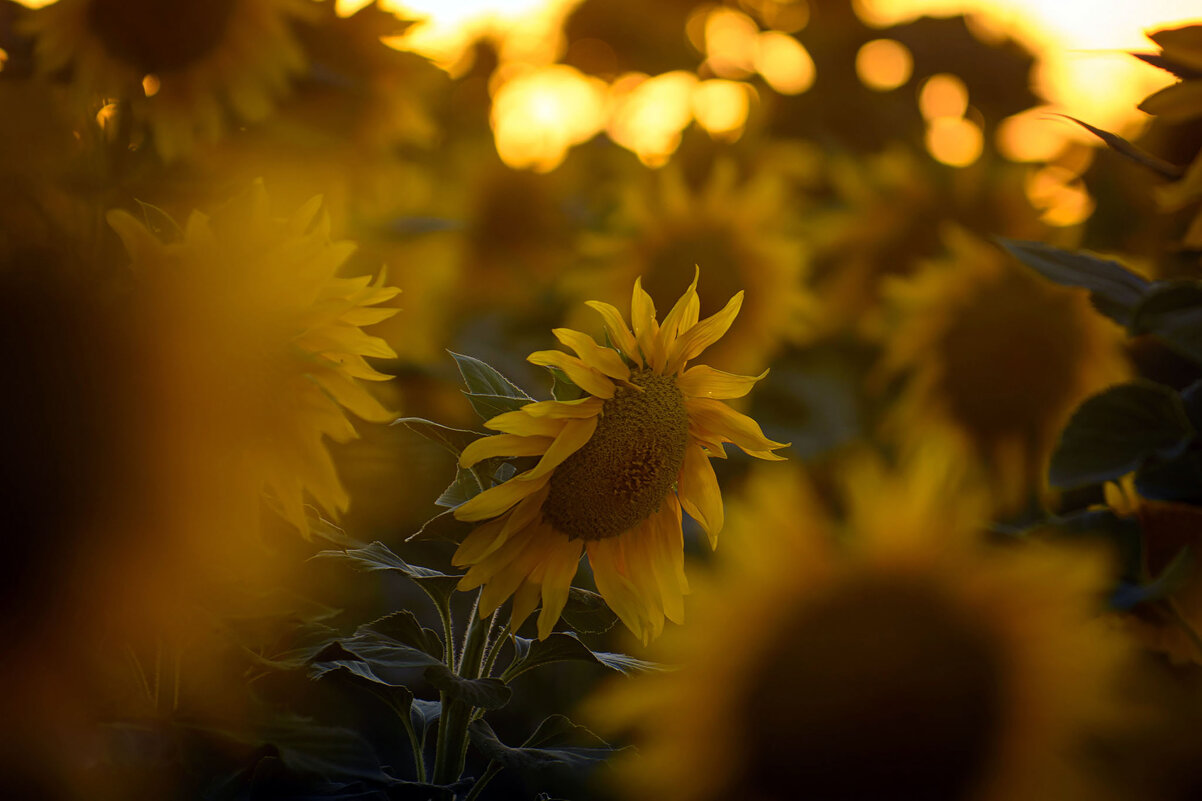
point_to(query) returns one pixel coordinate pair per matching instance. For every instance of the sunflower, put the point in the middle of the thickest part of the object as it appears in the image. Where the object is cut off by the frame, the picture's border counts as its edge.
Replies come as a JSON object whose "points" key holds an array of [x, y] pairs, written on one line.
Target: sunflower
{"points": [[260, 347], [178, 65], [892, 654], [738, 226], [996, 356], [616, 468]]}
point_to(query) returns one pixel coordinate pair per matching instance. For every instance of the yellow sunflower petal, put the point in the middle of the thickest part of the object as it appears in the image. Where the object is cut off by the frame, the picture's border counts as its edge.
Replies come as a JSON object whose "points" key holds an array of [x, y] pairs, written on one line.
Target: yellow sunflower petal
{"points": [[559, 570], [523, 424], [525, 601], [682, 316], [703, 381], [571, 439], [503, 445], [714, 419], [483, 540], [642, 319], [699, 493], [353, 396], [691, 343], [613, 582], [667, 559], [604, 360], [584, 407], [619, 334], [583, 376], [495, 500], [515, 561]]}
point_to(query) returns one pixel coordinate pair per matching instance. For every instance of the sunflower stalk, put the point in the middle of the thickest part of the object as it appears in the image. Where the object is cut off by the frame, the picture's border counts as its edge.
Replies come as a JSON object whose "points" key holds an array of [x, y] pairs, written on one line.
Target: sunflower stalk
{"points": [[451, 749]]}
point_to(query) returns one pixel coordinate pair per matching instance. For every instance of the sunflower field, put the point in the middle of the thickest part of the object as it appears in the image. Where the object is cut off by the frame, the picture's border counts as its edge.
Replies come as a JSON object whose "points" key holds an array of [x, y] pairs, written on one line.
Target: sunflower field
{"points": [[592, 400]]}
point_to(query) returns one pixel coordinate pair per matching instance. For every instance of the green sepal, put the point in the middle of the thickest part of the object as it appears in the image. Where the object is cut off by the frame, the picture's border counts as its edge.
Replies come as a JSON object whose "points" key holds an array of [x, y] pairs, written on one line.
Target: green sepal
{"points": [[562, 387]]}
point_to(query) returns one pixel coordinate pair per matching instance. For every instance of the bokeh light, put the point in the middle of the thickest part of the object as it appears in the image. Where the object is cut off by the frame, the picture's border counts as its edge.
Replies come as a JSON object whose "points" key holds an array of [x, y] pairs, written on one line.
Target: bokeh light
{"points": [[537, 116], [884, 64]]}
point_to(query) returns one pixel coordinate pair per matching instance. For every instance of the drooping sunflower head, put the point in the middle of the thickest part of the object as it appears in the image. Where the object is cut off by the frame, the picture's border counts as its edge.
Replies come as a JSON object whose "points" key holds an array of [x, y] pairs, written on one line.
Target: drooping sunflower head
{"points": [[257, 344], [998, 357], [889, 654], [178, 65], [738, 227], [615, 469]]}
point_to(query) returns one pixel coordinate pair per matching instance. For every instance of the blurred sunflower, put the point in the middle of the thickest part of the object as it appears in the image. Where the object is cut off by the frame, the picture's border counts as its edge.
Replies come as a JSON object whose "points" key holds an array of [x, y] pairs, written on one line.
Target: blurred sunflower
{"points": [[739, 229], [616, 468], [178, 65], [259, 343], [997, 357], [917, 662]]}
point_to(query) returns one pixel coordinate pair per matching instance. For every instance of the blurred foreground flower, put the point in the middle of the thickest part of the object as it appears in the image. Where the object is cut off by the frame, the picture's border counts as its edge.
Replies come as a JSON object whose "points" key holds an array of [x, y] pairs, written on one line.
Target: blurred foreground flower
{"points": [[998, 357], [178, 65], [260, 343], [616, 468], [917, 662]]}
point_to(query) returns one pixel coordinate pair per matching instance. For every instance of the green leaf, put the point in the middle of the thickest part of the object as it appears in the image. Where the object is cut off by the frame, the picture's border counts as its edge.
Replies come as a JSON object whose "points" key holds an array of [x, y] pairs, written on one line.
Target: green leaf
{"points": [[404, 627], [1121, 146], [537, 756], [467, 485], [378, 556], [1171, 579], [1113, 432], [1173, 312], [489, 406], [587, 612], [453, 439], [443, 526], [1114, 290], [563, 646], [562, 387], [482, 693], [483, 379]]}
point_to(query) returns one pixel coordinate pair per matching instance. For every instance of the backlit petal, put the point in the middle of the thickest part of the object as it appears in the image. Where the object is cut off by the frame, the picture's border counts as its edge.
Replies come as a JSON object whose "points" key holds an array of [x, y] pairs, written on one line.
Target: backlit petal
{"points": [[607, 361], [498, 499], [715, 420], [691, 343], [703, 381], [699, 493], [619, 334], [583, 376], [503, 445]]}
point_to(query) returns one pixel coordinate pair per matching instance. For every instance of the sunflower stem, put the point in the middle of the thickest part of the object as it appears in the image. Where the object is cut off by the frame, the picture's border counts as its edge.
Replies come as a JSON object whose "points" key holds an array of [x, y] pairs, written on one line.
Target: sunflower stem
{"points": [[451, 751]]}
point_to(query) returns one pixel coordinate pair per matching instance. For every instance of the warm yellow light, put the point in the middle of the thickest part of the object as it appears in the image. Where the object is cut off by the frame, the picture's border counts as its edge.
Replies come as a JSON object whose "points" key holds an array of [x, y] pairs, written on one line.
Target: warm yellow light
{"points": [[105, 117], [3, 58], [943, 95], [731, 39], [784, 63], [1084, 69], [151, 85], [721, 107], [1061, 195], [884, 64], [954, 141], [782, 15], [538, 116], [649, 114], [1030, 136]]}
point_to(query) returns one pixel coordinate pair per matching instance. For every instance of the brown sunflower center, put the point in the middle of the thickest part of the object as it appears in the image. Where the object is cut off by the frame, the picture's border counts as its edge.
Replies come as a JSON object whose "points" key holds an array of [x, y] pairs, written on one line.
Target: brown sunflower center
{"points": [[155, 36], [884, 689], [621, 475]]}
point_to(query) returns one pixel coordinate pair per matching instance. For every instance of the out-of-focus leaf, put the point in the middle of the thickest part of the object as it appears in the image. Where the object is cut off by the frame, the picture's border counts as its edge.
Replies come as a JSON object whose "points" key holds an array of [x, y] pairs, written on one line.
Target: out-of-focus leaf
{"points": [[1102, 524], [1173, 312], [562, 646], [301, 648], [482, 379], [539, 753], [483, 693], [1171, 579], [1176, 479], [587, 612], [1114, 290], [1113, 432], [1121, 146]]}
